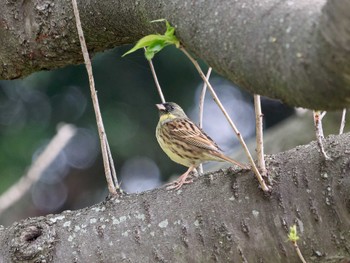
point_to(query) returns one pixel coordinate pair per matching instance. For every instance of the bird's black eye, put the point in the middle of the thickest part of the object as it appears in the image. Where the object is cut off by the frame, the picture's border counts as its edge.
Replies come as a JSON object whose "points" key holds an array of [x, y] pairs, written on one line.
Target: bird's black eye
{"points": [[169, 107]]}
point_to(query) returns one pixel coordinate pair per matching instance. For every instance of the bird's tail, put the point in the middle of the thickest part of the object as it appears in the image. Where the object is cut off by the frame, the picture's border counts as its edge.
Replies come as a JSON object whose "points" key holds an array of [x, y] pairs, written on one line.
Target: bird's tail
{"points": [[228, 159]]}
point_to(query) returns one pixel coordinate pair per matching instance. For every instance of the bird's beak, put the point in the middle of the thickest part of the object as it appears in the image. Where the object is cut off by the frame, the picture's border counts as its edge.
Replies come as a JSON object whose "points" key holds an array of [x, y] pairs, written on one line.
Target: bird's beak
{"points": [[161, 107]]}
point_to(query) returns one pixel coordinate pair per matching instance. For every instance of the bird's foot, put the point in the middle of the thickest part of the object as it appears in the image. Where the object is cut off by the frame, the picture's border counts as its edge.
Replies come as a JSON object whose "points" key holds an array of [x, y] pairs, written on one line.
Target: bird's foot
{"points": [[183, 179], [178, 183]]}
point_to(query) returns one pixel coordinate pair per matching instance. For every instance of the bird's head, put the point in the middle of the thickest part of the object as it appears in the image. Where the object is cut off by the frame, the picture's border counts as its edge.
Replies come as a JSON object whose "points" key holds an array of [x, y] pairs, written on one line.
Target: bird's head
{"points": [[170, 110]]}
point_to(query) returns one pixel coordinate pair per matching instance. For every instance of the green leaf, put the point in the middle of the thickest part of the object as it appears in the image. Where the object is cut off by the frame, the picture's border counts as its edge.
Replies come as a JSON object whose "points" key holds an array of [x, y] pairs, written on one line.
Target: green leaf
{"points": [[293, 236], [155, 43], [170, 30], [143, 42]]}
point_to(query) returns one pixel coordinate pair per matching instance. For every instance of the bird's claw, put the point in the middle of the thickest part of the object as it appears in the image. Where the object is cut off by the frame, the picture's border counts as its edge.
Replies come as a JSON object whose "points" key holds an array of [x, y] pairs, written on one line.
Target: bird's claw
{"points": [[178, 184]]}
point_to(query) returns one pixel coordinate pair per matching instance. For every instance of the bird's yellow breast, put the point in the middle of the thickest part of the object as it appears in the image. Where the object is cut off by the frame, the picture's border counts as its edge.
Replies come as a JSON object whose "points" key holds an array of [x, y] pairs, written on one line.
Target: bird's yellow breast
{"points": [[170, 149], [165, 118]]}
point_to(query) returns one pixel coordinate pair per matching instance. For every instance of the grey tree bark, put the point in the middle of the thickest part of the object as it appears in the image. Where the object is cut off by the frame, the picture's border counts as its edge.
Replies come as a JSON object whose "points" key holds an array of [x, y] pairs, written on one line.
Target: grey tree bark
{"points": [[295, 51], [227, 219]]}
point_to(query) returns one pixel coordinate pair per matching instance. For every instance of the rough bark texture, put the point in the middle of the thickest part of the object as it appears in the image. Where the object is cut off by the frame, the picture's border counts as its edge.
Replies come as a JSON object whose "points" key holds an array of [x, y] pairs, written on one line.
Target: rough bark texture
{"points": [[227, 219], [295, 51]]}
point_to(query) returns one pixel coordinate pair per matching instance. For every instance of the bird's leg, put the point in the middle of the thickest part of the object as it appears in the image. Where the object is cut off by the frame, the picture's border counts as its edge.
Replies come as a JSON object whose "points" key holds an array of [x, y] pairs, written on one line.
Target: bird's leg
{"points": [[181, 180], [196, 173]]}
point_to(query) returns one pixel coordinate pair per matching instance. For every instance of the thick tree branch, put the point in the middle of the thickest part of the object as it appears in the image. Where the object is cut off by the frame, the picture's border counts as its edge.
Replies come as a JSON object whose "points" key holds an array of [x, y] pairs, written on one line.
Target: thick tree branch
{"points": [[296, 51], [219, 220]]}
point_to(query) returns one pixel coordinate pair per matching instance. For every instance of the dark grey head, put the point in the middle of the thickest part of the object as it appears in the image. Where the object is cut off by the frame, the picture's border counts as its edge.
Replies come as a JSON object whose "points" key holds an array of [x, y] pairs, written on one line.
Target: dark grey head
{"points": [[171, 109]]}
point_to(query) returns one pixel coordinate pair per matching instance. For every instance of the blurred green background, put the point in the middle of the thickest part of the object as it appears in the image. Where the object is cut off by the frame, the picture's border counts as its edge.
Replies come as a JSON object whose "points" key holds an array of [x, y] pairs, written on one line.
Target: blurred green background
{"points": [[32, 108]]}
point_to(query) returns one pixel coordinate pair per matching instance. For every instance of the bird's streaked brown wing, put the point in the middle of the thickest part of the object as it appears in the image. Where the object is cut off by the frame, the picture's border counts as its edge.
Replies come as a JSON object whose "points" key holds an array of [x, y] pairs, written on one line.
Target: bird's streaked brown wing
{"points": [[189, 133]]}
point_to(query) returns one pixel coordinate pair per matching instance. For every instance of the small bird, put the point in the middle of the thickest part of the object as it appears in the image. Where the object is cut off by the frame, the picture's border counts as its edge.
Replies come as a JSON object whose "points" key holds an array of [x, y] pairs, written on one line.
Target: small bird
{"points": [[185, 143]]}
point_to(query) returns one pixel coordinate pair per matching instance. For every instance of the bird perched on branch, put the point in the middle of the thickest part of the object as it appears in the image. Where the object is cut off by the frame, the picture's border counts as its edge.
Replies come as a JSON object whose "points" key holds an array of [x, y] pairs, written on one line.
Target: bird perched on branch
{"points": [[185, 143]]}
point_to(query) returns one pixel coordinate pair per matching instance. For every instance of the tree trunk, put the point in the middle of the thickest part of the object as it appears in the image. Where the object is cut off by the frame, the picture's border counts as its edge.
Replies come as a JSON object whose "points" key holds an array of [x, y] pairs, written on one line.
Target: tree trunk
{"points": [[295, 51], [227, 219]]}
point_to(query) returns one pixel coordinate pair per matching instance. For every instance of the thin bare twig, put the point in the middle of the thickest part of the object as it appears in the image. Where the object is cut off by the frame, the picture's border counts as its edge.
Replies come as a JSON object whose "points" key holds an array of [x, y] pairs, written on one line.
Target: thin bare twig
{"points": [[107, 163], [319, 131], [342, 124], [44, 160], [201, 107], [300, 255], [259, 135], [216, 99], [154, 74], [293, 237], [202, 97], [114, 173]]}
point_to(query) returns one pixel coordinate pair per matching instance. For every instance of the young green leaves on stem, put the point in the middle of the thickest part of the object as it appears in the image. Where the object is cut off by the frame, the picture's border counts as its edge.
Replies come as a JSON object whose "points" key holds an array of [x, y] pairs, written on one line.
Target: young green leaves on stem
{"points": [[156, 42], [292, 235]]}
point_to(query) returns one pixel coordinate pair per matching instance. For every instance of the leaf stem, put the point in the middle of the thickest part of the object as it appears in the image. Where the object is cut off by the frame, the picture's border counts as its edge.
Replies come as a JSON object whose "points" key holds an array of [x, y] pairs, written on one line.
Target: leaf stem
{"points": [[154, 74], [300, 255]]}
